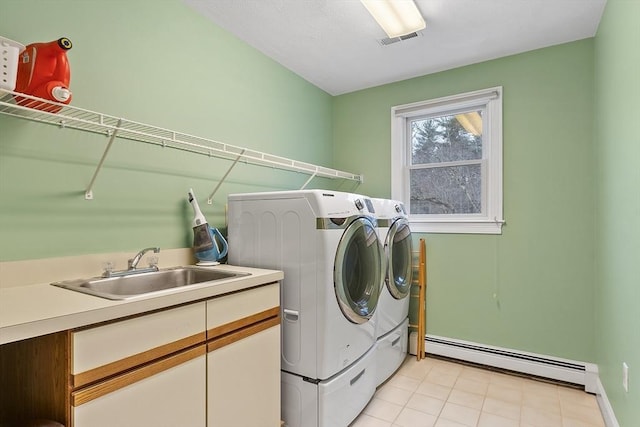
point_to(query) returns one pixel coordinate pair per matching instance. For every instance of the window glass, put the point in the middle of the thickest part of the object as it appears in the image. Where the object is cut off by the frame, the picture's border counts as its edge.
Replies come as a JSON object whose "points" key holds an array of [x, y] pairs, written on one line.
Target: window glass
{"points": [[446, 190], [446, 138]]}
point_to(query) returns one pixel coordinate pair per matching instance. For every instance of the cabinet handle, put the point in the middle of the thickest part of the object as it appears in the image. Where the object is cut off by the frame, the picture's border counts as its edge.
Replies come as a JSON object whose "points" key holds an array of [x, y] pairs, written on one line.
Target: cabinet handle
{"points": [[113, 368], [291, 315], [243, 333], [100, 389], [357, 377]]}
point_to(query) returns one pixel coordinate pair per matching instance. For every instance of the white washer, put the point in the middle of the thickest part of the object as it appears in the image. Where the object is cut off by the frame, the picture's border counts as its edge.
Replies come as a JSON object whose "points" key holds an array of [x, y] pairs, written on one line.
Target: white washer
{"points": [[327, 245], [393, 307]]}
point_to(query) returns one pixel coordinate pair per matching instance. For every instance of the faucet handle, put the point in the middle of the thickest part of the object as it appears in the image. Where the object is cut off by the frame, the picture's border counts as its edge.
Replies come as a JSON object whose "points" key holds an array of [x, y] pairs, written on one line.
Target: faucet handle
{"points": [[108, 268], [153, 261]]}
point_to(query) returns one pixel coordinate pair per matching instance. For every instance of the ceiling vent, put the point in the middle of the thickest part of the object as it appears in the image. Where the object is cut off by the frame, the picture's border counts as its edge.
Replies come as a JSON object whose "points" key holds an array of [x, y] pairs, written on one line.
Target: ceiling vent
{"points": [[387, 41]]}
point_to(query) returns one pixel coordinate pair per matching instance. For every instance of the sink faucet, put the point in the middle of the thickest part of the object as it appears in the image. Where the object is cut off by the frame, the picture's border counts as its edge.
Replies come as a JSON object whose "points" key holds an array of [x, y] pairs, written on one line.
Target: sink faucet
{"points": [[133, 262], [133, 265]]}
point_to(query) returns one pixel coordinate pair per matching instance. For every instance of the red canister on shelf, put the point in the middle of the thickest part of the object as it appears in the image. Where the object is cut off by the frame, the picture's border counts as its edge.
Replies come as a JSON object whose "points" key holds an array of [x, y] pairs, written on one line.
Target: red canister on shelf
{"points": [[43, 71]]}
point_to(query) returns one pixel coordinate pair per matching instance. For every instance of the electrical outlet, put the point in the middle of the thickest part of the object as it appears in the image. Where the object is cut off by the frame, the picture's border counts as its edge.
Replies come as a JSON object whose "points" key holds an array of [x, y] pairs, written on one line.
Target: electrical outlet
{"points": [[625, 377]]}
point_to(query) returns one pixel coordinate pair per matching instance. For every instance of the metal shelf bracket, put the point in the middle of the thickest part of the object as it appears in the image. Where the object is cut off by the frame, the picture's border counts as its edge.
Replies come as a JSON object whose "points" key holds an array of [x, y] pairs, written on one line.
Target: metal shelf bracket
{"points": [[308, 180], [88, 194], [235, 162]]}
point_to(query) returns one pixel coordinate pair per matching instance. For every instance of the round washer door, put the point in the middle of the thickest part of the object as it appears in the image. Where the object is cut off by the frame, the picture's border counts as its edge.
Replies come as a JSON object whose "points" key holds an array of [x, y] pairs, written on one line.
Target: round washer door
{"points": [[399, 249], [357, 272]]}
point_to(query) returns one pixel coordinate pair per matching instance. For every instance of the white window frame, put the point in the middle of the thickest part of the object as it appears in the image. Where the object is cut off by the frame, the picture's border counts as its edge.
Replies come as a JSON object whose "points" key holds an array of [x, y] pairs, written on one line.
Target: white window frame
{"points": [[491, 219]]}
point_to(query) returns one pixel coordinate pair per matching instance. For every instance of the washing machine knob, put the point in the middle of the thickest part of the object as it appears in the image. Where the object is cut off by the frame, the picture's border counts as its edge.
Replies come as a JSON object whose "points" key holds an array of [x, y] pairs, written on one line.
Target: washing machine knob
{"points": [[398, 209], [359, 204]]}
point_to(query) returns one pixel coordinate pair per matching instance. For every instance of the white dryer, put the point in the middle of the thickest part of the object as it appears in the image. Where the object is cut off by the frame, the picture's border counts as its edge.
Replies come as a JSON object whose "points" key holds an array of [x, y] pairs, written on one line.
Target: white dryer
{"points": [[393, 307], [327, 245]]}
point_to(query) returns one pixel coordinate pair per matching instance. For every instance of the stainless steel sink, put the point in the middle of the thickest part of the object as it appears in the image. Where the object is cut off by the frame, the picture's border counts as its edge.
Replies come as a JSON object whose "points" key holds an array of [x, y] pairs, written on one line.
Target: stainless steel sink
{"points": [[144, 284]]}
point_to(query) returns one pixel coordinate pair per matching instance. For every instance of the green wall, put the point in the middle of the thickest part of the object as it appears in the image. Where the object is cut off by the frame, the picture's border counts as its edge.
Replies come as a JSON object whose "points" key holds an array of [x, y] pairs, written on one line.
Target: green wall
{"points": [[617, 113], [155, 62], [530, 288], [536, 287]]}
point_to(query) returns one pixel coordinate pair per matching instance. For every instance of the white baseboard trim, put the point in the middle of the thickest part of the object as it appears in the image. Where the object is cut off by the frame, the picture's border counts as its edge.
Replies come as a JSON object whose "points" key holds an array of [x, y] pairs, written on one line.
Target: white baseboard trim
{"points": [[605, 406], [571, 371]]}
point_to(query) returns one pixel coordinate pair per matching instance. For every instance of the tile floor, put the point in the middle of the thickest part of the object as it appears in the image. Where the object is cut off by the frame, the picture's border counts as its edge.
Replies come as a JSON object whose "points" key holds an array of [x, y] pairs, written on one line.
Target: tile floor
{"points": [[441, 393]]}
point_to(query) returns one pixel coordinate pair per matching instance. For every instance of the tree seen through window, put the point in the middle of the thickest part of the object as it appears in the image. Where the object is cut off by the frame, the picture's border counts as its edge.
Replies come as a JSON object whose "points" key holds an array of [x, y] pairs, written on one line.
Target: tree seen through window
{"points": [[446, 161]]}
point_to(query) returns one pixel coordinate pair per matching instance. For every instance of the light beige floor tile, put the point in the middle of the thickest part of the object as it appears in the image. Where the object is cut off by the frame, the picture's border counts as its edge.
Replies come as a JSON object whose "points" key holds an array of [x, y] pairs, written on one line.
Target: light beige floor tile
{"points": [[506, 394], [464, 398], [539, 418], [393, 394], [414, 369], [501, 408], [412, 418], [570, 422], [441, 377], [460, 414], [470, 385], [549, 403], [429, 362], [585, 413], [434, 390], [446, 367], [447, 423], [427, 404], [404, 382], [580, 397], [506, 380], [439, 393], [539, 387], [476, 374], [491, 420], [365, 420], [382, 409]]}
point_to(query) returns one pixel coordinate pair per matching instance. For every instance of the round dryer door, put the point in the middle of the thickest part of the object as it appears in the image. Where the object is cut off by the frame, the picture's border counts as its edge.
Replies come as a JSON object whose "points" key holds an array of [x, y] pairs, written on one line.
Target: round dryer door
{"points": [[400, 271], [357, 273]]}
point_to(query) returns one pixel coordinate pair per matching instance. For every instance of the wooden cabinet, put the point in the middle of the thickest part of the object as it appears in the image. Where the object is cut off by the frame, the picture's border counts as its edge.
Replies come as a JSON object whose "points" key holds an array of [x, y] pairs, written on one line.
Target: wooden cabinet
{"points": [[33, 381], [199, 364]]}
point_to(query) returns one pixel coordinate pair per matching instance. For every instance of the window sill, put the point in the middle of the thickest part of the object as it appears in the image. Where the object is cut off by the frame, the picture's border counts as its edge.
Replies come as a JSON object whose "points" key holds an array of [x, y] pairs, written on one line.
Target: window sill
{"points": [[457, 226]]}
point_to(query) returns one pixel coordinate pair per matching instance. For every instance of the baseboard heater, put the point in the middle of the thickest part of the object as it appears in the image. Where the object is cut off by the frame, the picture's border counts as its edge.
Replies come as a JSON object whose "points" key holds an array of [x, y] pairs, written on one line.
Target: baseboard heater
{"points": [[570, 371]]}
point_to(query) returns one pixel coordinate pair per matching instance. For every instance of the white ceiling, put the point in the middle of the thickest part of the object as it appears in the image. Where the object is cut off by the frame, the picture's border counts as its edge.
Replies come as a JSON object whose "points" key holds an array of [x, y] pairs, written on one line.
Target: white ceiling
{"points": [[334, 43]]}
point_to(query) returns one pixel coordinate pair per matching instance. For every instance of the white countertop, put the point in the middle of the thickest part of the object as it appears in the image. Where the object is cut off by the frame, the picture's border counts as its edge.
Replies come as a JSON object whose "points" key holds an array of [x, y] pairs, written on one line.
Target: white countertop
{"points": [[34, 310]]}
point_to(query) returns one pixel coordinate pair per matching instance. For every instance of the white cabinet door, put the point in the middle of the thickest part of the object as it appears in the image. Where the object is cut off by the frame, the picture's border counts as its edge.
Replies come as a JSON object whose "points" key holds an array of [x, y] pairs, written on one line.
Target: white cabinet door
{"points": [[243, 362], [244, 382], [168, 393]]}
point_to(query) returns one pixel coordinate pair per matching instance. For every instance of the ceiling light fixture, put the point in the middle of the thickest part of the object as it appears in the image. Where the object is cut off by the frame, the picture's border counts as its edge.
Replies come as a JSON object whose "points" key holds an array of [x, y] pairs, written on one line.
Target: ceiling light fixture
{"points": [[471, 122], [396, 17]]}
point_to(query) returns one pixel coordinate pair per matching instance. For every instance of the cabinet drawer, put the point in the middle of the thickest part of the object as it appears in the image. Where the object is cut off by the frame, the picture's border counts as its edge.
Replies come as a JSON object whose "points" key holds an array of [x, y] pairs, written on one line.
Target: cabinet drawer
{"points": [[169, 392], [224, 311], [105, 350]]}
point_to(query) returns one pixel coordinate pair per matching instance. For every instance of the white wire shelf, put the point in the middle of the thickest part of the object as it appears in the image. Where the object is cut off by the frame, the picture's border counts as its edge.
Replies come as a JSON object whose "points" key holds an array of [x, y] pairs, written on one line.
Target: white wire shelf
{"points": [[66, 116]]}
